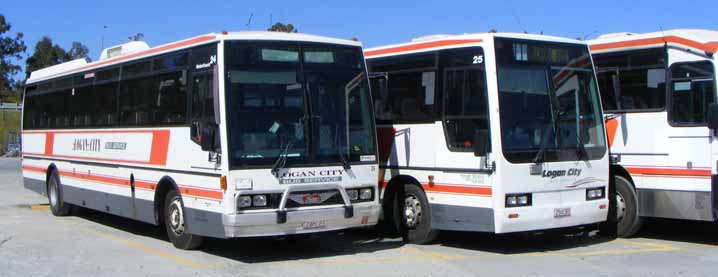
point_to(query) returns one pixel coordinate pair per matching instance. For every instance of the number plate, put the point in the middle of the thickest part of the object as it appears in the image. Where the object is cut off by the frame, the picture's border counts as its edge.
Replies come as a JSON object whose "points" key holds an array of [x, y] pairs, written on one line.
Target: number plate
{"points": [[313, 224], [561, 212]]}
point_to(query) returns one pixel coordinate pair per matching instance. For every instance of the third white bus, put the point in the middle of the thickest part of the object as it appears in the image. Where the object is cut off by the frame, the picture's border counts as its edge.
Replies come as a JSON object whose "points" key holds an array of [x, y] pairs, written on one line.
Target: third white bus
{"points": [[657, 89]]}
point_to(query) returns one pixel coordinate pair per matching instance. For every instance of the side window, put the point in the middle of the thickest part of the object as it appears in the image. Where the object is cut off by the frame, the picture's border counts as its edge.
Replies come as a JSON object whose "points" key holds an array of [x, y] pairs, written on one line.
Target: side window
{"points": [[640, 77], [465, 97], [409, 98], [692, 89], [410, 83], [202, 102], [154, 100]]}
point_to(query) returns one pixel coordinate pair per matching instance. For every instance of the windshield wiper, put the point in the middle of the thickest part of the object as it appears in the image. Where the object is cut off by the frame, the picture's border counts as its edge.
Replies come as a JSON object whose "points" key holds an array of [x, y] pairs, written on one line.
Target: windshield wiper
{"points": [[539, 158], [281, 160], [580, 149]]}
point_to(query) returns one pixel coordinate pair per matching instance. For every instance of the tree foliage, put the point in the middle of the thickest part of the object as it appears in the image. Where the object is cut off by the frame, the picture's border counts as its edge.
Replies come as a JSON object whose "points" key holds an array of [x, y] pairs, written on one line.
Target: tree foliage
{"points": [[11, 50], [281, 27], [78, 51], [47, 53], [136, 37]]}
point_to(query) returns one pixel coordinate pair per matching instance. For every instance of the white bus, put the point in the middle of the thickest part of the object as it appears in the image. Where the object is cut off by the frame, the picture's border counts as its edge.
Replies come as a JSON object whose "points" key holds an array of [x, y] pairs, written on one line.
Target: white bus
{"points": [[656, 89], [221, 135], [493, 132]]}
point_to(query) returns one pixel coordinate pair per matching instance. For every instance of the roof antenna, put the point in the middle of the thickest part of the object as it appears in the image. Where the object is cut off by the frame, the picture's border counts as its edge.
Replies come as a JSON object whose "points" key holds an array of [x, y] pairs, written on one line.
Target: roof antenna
{"points": [[249, 22], [588, 35], [519, 22]]}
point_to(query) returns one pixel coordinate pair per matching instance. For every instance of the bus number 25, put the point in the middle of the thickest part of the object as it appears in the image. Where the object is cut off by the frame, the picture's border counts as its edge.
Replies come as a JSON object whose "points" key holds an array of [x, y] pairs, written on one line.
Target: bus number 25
{"points": [[478, 59]]}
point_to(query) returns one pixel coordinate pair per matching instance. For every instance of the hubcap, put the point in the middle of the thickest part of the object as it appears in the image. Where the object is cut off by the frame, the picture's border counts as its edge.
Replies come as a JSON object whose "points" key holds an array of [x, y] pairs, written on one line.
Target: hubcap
{"points": [[53, 193], [176, 217], [621, 209], [412, 211]]}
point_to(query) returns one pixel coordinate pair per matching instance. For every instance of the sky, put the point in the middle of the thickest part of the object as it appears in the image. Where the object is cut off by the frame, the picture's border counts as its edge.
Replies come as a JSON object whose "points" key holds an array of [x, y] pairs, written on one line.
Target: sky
{"points": [[373, 22]]}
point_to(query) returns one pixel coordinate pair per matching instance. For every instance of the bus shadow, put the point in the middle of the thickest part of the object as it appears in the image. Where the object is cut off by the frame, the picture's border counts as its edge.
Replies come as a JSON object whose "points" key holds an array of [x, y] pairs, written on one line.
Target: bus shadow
{"points": [[265, 249], [523, 243], [696, 232], [294, 248]]}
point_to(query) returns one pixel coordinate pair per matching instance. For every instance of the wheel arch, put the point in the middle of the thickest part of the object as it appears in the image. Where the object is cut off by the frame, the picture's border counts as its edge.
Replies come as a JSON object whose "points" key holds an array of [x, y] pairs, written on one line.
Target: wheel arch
{"points": [[164, 185], [621, 171], [393, 186]]}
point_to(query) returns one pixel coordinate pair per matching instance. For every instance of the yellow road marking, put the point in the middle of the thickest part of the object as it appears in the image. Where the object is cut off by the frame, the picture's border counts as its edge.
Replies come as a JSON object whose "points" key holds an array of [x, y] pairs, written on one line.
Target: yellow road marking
{"points": [[431, 254], [424, 255], [150, 250], [42, 207]]}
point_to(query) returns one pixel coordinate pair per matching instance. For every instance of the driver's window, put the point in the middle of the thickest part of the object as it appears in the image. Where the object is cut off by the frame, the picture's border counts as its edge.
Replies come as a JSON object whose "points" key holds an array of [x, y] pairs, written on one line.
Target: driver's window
{"points": [[692, 89]]}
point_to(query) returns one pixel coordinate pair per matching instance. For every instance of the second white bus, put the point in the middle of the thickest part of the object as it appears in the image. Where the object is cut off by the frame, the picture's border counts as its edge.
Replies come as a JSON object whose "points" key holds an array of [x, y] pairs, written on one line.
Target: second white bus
{"points": [[492, 132]]}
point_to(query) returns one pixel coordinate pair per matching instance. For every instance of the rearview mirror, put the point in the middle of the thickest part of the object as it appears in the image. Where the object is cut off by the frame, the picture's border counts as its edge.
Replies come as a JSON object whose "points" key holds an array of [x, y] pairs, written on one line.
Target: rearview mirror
{"points": [[481, 143], [209, 139], [713, 116]]}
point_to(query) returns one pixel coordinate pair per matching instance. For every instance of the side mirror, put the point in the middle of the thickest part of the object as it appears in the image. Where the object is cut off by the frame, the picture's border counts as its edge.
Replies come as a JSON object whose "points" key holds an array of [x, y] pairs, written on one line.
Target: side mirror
{"points": [[713, 116], [208, 138], [481, 143]]}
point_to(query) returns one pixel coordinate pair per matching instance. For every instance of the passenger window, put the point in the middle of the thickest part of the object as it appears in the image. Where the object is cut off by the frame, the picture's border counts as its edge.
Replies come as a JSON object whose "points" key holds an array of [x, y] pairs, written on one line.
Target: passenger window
{"points": [[641, 80], [154, 100], [409, 98], [692, 89], [410, 83]]}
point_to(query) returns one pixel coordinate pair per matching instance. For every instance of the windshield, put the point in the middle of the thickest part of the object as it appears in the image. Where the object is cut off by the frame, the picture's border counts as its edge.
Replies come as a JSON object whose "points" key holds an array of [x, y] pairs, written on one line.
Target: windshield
{"points": [[548, 99], [309, 102]]}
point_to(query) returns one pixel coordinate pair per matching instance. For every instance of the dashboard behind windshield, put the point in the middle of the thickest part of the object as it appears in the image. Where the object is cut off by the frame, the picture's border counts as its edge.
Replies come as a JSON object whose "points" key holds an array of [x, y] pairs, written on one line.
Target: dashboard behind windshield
{"points": [[548, 99]]}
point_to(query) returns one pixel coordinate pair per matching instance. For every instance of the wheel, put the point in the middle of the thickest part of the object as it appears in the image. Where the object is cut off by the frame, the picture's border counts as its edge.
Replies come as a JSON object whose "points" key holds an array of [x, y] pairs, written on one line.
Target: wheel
{"points": [[629, 222], [54, 195], [413, 215], [175, 223]]}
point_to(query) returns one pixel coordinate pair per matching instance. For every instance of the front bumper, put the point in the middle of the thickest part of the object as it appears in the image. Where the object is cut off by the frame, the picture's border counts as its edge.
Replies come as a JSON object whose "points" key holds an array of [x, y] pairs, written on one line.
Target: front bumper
{"points": [[542, 218], [300, 221]]}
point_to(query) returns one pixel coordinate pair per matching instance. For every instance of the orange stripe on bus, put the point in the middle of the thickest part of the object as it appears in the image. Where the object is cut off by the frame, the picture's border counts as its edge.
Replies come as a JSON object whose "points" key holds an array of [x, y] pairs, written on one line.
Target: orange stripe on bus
{"points": [[419, 46], [49, 143], [453, 189], [710, 46], [184, 190], [669, 171], [160, 145], [611, 127]]}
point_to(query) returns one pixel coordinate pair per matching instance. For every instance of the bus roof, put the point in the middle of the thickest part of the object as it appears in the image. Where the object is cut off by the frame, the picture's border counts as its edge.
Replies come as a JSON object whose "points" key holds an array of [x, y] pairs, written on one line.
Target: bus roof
{"points": [[695, 39], [79, 65], [436, 42]]}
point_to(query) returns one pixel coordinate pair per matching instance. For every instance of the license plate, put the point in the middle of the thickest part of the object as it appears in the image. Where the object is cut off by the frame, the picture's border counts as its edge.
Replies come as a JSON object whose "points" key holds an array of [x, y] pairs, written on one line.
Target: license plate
{"points": [[561, 212], [313, 224]]}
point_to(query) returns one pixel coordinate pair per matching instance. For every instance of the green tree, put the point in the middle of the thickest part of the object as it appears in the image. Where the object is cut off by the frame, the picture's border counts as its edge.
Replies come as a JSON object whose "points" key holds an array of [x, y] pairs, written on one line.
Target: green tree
{"points": [[11, 51], [136, 37], [281, 27], [78, 51], [46, 54]]}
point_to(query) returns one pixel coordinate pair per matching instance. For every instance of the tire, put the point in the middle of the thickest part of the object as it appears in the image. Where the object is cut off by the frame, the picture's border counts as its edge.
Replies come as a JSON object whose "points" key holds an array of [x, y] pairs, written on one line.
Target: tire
{"points": [[412, 214], [629, 221], [175, 226], [58, 207]]}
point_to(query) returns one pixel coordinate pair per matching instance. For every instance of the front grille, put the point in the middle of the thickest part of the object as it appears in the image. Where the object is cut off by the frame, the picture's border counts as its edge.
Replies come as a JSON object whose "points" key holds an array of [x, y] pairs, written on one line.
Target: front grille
{"points": [[314, 198]]}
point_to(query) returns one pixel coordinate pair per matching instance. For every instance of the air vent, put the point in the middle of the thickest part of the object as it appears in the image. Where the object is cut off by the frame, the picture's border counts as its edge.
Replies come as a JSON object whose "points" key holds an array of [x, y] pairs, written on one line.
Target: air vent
{"points": [[123, 49]]}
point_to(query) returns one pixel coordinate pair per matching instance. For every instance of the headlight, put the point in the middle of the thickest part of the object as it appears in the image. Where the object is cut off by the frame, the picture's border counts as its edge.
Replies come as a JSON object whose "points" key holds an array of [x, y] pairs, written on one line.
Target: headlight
{"points": [[259, 200], [595, 193], [365, 194], [518, 200], [353, 194], [244, 201]]}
